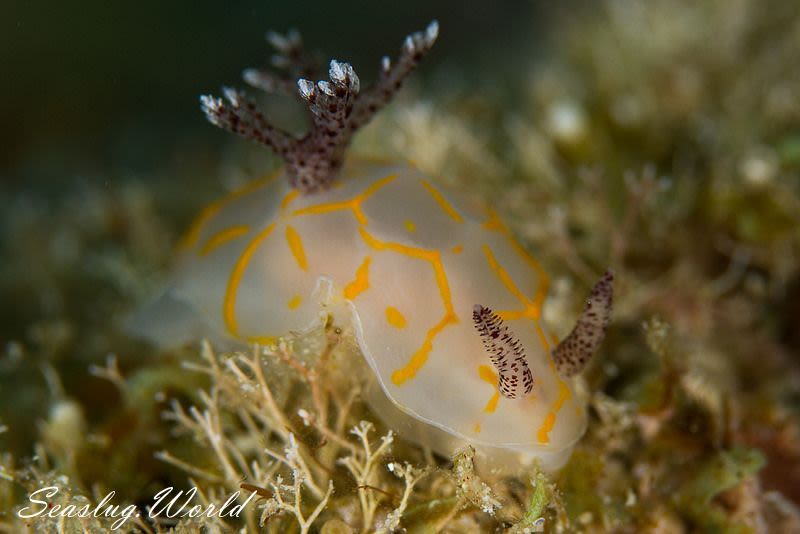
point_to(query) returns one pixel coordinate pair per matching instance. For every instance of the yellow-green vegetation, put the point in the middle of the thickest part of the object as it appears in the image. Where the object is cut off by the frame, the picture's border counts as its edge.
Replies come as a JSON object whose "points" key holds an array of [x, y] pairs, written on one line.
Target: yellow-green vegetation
{"points": [[658, 138]]}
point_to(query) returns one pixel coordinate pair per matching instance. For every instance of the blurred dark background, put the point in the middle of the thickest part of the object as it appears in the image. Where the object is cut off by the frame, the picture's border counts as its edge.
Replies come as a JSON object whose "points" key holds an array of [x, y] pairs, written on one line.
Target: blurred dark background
{"points": [[99, 84]]}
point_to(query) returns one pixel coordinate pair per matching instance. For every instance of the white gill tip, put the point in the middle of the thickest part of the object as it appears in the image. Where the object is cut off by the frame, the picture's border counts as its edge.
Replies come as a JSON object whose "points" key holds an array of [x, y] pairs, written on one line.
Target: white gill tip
{"points": [[408, 44], [355, 82], [294, 37], [432, 32], [251, 76], [278, 41], [231, 95], [306, 88], [326, 87], [208, 102], [211, 108], [336, 70]]}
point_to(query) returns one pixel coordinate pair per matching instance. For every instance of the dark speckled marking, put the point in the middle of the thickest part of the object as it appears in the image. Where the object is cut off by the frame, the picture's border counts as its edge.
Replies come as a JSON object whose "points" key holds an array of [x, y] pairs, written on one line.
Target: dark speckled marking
{"points": [[575, 351]]}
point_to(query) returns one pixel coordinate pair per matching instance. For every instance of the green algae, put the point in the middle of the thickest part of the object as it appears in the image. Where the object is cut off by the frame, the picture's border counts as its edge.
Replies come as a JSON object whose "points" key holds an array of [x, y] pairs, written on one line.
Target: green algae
{"points": [[720, 472]]}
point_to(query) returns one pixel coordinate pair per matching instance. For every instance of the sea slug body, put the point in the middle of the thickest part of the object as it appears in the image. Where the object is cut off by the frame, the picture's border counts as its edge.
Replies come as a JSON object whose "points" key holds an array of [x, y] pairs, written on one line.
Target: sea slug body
{"points": [[446, 305]]}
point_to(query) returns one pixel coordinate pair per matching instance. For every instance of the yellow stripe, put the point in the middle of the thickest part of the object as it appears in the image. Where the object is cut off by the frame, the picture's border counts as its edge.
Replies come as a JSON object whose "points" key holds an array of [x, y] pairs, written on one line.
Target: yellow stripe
{"points": [[504, 277], [354, 204], [262, 340], [443, 203], [531, 310], [542, 337], [361, 282], [193, 234], [491, 406], [493, 223], [290, 196], [418, 359], [296, 246], [395, 318], [510, 315], [496, 225], [229, 303], [222, 237], [489, 376], [563, 390], [543, 434], [373, 188], [319, 209], [294, 302]]}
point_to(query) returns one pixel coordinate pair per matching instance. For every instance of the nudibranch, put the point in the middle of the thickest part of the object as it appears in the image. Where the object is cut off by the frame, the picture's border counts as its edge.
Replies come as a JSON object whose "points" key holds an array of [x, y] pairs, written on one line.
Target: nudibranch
{"points": [[445, 304]]}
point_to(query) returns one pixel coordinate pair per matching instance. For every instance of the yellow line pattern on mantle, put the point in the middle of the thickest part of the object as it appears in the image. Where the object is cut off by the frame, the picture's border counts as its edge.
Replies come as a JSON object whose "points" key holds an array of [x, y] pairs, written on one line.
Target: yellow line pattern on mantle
{"points": [[222, 237], [418, 359], [296, 246], [443, 203], [395, 318], [361, 281], [229, 302], [490, 377]]}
